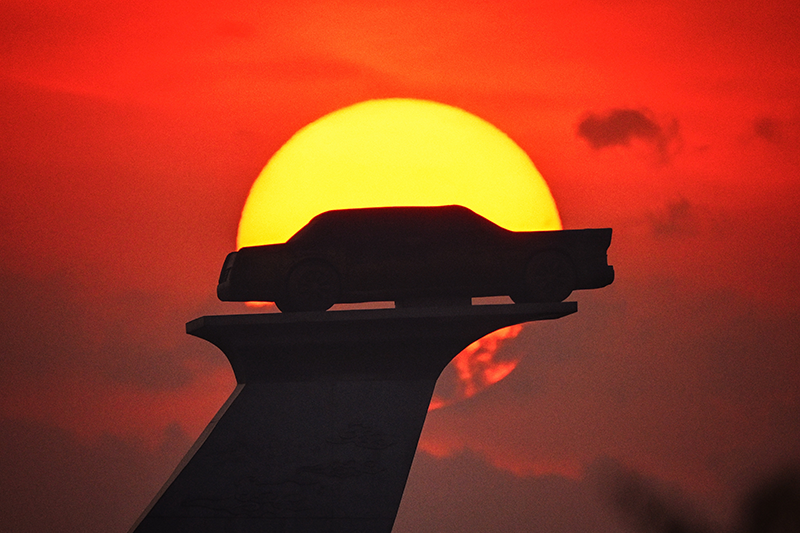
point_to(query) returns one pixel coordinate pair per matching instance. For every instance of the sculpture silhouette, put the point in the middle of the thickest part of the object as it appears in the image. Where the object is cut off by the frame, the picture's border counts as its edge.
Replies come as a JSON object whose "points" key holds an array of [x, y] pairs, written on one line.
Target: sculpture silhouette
{"points": [[415, 255], [321, 430]]}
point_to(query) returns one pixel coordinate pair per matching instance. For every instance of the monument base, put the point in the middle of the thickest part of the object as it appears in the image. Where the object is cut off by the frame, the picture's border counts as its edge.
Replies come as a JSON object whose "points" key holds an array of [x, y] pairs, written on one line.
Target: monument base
{"points": [[322, 428]]}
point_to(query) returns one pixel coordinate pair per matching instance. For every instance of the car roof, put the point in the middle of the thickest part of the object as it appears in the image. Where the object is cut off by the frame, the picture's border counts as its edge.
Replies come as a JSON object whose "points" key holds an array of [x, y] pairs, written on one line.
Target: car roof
{"points": [[388, 220]]}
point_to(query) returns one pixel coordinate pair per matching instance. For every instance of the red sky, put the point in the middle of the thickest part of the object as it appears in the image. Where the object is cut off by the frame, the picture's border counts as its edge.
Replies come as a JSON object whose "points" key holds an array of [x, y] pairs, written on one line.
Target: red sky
{"points": [[131, 134]]}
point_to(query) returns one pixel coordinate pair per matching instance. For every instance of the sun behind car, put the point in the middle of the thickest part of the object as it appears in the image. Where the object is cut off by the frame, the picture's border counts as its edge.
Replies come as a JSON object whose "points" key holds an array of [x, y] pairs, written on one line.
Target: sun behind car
{"points": [[414, 256]]}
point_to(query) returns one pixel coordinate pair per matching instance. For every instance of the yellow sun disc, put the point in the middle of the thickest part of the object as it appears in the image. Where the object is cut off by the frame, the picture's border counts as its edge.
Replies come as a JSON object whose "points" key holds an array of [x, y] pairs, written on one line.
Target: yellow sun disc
{"points": [[396, 152]]}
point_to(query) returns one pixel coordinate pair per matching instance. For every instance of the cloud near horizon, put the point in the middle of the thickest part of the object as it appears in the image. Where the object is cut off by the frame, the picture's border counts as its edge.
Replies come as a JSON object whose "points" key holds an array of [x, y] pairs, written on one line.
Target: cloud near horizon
{"points": [[619, 127]]}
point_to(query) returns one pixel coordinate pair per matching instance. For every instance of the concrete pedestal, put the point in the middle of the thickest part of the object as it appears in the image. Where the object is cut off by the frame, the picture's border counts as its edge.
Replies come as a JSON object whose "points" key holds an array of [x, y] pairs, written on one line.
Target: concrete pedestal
{"points": [[320, 433]]}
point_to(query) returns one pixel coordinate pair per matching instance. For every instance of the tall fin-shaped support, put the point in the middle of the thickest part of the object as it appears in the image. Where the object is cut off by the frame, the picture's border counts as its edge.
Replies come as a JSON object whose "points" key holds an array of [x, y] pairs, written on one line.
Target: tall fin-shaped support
{"points": [[322, 428]]}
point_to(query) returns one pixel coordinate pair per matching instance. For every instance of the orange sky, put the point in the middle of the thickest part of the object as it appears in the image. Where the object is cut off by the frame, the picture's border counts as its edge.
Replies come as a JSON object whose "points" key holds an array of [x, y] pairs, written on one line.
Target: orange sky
{"points": [[132, 133]]}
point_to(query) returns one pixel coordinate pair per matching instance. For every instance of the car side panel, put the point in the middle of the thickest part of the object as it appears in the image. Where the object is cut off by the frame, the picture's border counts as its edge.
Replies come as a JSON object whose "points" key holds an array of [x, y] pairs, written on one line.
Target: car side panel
{"points": [[407, 253]]}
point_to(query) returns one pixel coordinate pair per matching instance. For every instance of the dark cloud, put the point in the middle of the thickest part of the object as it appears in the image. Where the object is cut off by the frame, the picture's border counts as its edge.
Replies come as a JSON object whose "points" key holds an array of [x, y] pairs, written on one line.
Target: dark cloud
{"points": [[678, 218], [144, 368], [768, 129], [774, 505], [619, 127], [463, 493], [51, 481], [647, 505], [47, 331], [27, 27]]}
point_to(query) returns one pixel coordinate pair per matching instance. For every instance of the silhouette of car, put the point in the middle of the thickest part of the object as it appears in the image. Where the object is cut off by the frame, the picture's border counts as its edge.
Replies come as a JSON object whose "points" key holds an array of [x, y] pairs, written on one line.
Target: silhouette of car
{"points": [[415, 256]]}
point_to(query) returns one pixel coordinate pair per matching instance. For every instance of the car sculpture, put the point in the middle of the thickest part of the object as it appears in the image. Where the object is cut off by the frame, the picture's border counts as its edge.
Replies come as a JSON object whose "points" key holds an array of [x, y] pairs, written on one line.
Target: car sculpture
{"points": [[415, 256]]}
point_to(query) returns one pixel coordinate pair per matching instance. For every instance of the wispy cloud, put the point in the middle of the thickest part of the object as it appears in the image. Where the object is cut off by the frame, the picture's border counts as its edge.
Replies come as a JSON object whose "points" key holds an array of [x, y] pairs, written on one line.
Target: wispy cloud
{"points": [[767, 128], [678, 218], [619, 127]]}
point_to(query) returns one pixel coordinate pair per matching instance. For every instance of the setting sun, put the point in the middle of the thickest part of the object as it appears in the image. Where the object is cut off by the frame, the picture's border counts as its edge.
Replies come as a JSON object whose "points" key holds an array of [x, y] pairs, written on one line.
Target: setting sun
{"points": [[396, 152]]}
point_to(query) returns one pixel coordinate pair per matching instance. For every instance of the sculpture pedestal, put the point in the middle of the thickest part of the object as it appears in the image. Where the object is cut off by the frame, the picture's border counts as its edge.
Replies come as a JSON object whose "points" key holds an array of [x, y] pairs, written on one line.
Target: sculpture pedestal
{"points": [[322, 428]]}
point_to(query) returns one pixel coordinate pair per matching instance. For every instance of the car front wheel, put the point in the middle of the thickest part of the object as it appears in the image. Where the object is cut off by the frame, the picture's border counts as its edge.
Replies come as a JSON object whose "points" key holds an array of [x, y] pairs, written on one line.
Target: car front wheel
{"points": [[312, 286]]}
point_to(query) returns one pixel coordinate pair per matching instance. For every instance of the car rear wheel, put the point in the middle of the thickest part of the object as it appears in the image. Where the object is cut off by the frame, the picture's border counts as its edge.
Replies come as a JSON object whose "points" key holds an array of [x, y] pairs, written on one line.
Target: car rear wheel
{"points": [[549, 277], [312, 286]]}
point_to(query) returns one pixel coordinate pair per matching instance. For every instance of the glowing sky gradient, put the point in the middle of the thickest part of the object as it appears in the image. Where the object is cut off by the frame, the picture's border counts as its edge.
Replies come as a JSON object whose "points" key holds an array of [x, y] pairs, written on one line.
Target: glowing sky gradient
{"points": [[132, 132]]}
